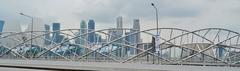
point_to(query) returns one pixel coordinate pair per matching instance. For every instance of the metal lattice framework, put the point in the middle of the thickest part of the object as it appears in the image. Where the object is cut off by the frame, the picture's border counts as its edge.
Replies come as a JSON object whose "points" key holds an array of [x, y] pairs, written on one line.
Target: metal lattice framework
{"points": [[210, 46]]}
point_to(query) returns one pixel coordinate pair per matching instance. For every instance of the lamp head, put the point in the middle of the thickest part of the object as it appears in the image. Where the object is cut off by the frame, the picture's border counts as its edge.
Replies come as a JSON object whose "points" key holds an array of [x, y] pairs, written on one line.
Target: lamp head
{"points": [[152, 4], [21, 13]]}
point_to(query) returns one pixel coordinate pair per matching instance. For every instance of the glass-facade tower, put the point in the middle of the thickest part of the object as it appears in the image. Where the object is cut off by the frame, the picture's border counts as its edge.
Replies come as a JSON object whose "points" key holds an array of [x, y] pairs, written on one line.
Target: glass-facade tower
{"points": [[1, 25], [83, 35], [136, 27], [47, 39], [91, 28], [57, 38]]}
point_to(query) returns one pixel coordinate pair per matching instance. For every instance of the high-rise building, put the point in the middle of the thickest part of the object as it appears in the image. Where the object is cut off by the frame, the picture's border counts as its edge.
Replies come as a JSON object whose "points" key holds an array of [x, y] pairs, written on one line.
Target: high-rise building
{"points": [[129, 41], [38, 25], [12, 26], [133, 37], [47, 39], [1, 25], [91, 28], [113, 34], [82, 34], [119, 30], [98, 38], [56, 26], [119, 26], [57, 38], [220, 52], [136, 37], [77, 40], [136, 28], [81, 40]]}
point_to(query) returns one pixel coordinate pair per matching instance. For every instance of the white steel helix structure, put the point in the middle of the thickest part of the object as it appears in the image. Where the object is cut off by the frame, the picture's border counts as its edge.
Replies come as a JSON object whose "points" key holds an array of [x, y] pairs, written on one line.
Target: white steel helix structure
{"points": [[204, 47]]}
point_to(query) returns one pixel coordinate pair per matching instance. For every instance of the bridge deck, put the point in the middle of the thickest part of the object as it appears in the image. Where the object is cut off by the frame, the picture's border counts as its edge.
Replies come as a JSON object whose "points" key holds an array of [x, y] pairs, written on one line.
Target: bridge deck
{"points": [[101, 66]]}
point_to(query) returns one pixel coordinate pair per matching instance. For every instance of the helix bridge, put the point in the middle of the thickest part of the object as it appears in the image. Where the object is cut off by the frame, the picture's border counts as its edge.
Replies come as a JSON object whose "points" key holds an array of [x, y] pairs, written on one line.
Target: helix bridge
{"points": [[204, 47]]}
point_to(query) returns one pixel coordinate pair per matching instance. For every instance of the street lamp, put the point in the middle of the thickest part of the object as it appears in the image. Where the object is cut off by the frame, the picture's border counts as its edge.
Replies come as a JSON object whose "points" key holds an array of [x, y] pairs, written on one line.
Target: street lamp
{"points": [[157, 34], [156, 15], [31, 26]]}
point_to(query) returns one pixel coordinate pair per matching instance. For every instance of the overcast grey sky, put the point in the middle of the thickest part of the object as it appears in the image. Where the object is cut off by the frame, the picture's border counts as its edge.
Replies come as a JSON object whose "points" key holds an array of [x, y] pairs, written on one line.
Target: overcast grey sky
{"points": [[185, 14]]}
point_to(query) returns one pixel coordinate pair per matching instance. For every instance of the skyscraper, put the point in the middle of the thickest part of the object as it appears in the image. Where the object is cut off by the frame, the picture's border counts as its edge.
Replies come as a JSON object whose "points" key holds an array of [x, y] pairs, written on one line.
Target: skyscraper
{"points": [[220, 52], [119, 31], [119, 26], [136, 27], [135, 37], [82, 33], [129, 41], [56, 27], [47, 36], [38, 25], [77, 40], [12, 26], [119, 34], [57, 38], [98, 38], [81, 38], [91, 28], [1, 25], [113, 34]]}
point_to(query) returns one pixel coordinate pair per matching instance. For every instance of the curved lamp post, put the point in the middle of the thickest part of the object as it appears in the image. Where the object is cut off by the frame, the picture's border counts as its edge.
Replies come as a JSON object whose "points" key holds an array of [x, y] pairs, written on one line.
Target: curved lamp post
{"points": [[157, 34], [31, 27]]}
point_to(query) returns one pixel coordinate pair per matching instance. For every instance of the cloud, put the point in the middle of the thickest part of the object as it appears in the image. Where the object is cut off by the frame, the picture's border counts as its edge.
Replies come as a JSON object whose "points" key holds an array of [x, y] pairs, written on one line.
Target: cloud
{"points": [[186, 14]]}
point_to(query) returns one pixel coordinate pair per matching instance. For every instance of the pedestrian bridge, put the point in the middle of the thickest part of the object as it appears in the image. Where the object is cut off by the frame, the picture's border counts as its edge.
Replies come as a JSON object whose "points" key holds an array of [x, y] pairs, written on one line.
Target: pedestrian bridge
{"points": [[174, 47]]}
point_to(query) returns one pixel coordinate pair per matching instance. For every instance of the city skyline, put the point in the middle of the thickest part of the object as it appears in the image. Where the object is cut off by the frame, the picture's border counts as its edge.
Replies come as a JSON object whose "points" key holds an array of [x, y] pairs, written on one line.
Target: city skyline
{"points": [[122, 35]]}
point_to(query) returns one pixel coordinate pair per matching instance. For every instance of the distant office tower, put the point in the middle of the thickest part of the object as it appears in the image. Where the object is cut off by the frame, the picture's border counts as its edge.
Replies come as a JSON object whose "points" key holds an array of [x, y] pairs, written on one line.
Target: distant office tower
{"points": [[119, 26], [134, 36], [12, 26], [38, 25], [98, 38], [91, 28], [47, 39], [128, 38], [82, 34], [119, 34], [113, 34], [81, 40], [136, 27], [77, 40], [57, 38], [129, 41], [119, 31], [1, 25], [220, 52]]}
